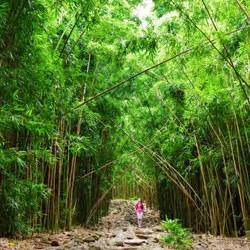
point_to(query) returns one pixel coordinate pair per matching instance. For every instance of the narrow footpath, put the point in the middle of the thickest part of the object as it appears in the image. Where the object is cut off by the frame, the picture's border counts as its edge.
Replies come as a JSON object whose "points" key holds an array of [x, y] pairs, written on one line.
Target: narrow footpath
{"points": [[118, 231]]}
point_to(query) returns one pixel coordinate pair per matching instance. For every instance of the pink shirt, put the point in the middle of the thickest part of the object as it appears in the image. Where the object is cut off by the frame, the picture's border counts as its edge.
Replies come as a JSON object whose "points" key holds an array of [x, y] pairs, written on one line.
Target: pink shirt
{"points": [[139, 207]]}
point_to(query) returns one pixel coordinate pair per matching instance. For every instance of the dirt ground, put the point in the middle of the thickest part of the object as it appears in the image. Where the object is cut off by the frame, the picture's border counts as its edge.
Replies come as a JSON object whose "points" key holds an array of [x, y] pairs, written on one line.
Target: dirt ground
{"points": [[118, 230]]}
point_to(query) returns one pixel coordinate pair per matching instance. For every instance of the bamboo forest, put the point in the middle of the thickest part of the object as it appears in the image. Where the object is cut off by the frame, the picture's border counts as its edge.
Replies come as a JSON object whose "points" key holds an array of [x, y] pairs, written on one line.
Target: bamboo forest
{"points": [[104, 102]]}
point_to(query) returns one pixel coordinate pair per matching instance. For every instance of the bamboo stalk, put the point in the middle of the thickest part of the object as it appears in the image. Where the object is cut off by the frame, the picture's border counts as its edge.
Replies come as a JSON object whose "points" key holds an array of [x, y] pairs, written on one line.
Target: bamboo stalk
{"points": [[239, 183]]}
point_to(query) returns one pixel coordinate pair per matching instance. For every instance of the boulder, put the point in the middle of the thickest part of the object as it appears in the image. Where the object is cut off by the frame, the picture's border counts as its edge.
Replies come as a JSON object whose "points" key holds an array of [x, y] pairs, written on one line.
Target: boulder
{"points": [[158, 229], [89, 239], [143, 236], [55, 243], [118, 243], [134, 242]]}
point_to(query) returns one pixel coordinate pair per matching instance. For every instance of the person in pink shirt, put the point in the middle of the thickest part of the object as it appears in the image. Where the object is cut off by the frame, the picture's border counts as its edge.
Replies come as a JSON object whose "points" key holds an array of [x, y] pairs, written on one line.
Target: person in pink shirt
{"points": [[139, 209]]}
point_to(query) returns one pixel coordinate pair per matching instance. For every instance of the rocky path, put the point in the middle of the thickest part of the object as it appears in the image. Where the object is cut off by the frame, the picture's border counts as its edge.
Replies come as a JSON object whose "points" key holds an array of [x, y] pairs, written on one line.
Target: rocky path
{"points": [[118, 231]]}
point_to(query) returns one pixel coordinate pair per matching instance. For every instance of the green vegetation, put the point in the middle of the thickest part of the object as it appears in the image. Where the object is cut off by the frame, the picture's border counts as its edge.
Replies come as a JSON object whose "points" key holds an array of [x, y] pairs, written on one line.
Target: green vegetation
{"points": [[178, 237], [98, 102]]}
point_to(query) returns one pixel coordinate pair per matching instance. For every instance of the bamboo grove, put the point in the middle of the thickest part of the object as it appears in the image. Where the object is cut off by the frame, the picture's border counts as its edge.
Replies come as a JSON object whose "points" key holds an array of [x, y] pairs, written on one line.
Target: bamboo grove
{"points": [[98, 101]]}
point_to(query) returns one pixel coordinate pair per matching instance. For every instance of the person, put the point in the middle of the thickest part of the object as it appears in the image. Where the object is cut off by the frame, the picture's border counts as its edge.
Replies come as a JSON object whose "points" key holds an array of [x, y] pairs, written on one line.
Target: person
{"points": [[139, 209]]}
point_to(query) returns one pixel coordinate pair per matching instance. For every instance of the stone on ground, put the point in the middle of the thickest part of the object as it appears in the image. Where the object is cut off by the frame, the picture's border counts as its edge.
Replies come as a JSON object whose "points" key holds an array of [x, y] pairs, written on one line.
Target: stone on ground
{"points": [[118, 231], [134, 242]]}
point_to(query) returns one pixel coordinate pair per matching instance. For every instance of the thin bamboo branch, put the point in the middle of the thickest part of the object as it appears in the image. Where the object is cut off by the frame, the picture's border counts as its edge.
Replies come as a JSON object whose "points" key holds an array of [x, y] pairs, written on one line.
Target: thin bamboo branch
{"points": [[59, 41], [227, 57], [116, 85], [71, 32], [243, 9], [219, 52]]}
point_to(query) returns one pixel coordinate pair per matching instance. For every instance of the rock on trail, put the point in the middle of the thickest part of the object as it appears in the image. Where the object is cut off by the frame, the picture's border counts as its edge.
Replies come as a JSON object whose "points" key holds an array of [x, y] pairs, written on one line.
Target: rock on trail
{"points": [[118, 231]]}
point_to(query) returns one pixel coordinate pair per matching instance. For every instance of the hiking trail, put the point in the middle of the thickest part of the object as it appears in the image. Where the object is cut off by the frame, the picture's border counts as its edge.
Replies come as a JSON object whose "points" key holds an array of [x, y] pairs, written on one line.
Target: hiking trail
{"points": [[118, 231]]}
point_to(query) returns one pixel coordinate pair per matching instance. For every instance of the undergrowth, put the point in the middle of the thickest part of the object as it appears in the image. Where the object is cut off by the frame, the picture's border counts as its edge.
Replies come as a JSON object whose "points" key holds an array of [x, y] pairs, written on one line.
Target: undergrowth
{"points": [[177, 236]]}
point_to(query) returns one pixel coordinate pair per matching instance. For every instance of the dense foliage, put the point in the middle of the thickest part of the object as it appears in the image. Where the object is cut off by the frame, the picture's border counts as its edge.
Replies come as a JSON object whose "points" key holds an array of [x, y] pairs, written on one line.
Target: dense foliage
{"points": [[177, 133], [177, 236]]}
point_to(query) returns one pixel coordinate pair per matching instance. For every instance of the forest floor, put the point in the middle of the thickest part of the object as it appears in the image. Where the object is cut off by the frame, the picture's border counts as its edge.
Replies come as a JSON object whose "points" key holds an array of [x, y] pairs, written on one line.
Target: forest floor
{"points": [[118, 231]]}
